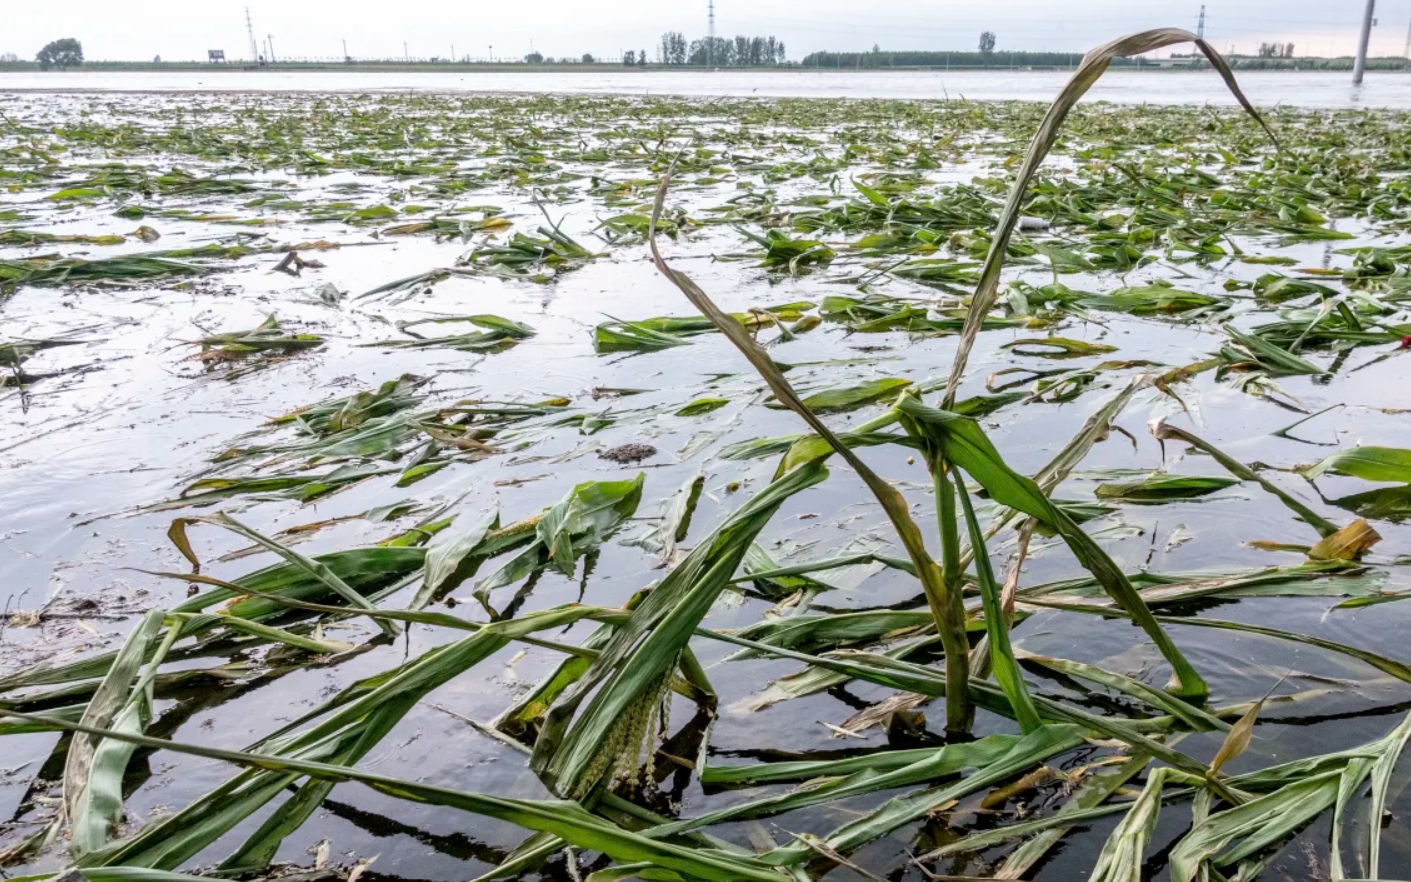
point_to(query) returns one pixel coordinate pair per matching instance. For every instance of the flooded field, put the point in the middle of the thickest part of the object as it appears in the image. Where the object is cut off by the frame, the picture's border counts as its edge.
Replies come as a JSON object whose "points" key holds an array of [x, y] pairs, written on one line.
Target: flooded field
{"points": [[1322, 89], [359, 465]]}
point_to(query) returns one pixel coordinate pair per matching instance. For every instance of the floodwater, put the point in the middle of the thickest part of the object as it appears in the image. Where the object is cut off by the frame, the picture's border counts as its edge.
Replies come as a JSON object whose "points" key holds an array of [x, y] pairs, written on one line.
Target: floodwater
{"points": [[129, 418], [1265, 88]]}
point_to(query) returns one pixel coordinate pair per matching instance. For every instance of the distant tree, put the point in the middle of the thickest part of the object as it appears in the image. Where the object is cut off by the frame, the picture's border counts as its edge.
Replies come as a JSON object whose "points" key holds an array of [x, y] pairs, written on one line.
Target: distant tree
{"points": [[876, 48], [674, 48], [739, 51], [713, 51], [534, 58], [1267, 50], [63, 54], [156, 59], [987, 42], [588, 58], [642, 58], [629, 58], [8, 58]]}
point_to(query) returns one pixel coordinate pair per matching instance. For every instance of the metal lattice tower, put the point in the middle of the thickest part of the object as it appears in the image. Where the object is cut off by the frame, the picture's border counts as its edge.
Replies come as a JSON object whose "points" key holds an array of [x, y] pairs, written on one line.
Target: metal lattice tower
{"points": [[1200, 27], [710, 36], [250, 29]]}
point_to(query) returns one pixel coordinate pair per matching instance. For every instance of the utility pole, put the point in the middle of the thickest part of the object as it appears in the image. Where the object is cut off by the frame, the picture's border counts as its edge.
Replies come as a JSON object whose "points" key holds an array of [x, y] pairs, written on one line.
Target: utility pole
{"points": [[345, 50], [1407, 51], [406, 56], [1200, 27], [250, 29], [269, 38], [1360, 67], [710, 37], [453, 53]]}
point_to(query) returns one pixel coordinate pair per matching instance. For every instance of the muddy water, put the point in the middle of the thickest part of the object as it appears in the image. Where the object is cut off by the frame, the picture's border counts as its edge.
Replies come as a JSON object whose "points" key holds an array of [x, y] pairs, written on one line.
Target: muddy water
{"points": [[129, 419], [1268, 88]]}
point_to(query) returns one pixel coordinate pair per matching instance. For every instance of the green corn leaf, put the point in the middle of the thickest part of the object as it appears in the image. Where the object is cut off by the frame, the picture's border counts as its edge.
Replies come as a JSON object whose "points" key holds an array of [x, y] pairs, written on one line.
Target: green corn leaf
{"points": [[1258, 823], [1006, 669], [94, 768], [1056, 347], [565, 819], [585, 517], [962, 442], [1165, 432], [573, 755], [1191, 715], [312, 567], [702, 406], [1121, 856], [1031, 750], [451, 553], [1389, 464], [849, 397], [1160, 488]]}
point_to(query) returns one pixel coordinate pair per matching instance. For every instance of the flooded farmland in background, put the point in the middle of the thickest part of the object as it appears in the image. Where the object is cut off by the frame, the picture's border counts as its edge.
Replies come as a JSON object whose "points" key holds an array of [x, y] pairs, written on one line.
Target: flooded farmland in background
{"points": [[273, 363], [1320, 89]]}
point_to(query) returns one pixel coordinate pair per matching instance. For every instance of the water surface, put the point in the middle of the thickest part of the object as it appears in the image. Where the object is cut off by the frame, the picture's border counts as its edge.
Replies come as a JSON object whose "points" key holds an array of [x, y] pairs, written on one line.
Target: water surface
{"points": [[1297, 89]]}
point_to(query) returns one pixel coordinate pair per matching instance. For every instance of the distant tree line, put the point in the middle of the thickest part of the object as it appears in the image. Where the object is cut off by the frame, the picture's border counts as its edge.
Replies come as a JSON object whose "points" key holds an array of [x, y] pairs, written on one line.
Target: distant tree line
{"points": [[742, 51], [1385, 62], [629, 58], [1275, 50], [879, 59]]}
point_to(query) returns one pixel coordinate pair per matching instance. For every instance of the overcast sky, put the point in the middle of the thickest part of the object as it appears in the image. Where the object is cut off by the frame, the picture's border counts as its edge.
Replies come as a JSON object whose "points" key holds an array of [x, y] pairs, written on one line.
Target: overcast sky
{"points": [[183, 29]]}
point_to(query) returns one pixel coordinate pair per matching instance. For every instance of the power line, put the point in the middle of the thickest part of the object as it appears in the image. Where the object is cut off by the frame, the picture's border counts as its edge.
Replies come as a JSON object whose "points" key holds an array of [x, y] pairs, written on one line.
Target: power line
{"points": [[250, 29], [710, 43]]}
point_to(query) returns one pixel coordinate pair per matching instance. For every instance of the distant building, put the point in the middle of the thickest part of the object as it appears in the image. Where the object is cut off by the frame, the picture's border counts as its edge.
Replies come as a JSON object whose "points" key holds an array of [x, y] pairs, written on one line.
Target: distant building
{"points": [[215, 56], [1173, 61]]}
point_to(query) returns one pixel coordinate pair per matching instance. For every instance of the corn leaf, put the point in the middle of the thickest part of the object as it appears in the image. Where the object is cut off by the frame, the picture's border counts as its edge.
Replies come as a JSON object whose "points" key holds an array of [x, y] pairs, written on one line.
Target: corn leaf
{"points": [[962, 442], [573, 755], [1159, 488], [1389, 464]]}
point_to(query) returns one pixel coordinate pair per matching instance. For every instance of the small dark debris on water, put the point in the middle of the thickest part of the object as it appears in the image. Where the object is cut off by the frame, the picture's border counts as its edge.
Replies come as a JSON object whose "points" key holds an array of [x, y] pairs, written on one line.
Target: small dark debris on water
{"points": [[293, 264], [628, 453]]}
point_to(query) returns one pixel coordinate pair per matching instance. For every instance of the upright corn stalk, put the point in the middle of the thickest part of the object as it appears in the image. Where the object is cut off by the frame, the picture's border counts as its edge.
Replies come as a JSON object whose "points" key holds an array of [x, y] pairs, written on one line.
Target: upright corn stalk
{"points": [[942, 583], [1188, 682], [1093, 67]]}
